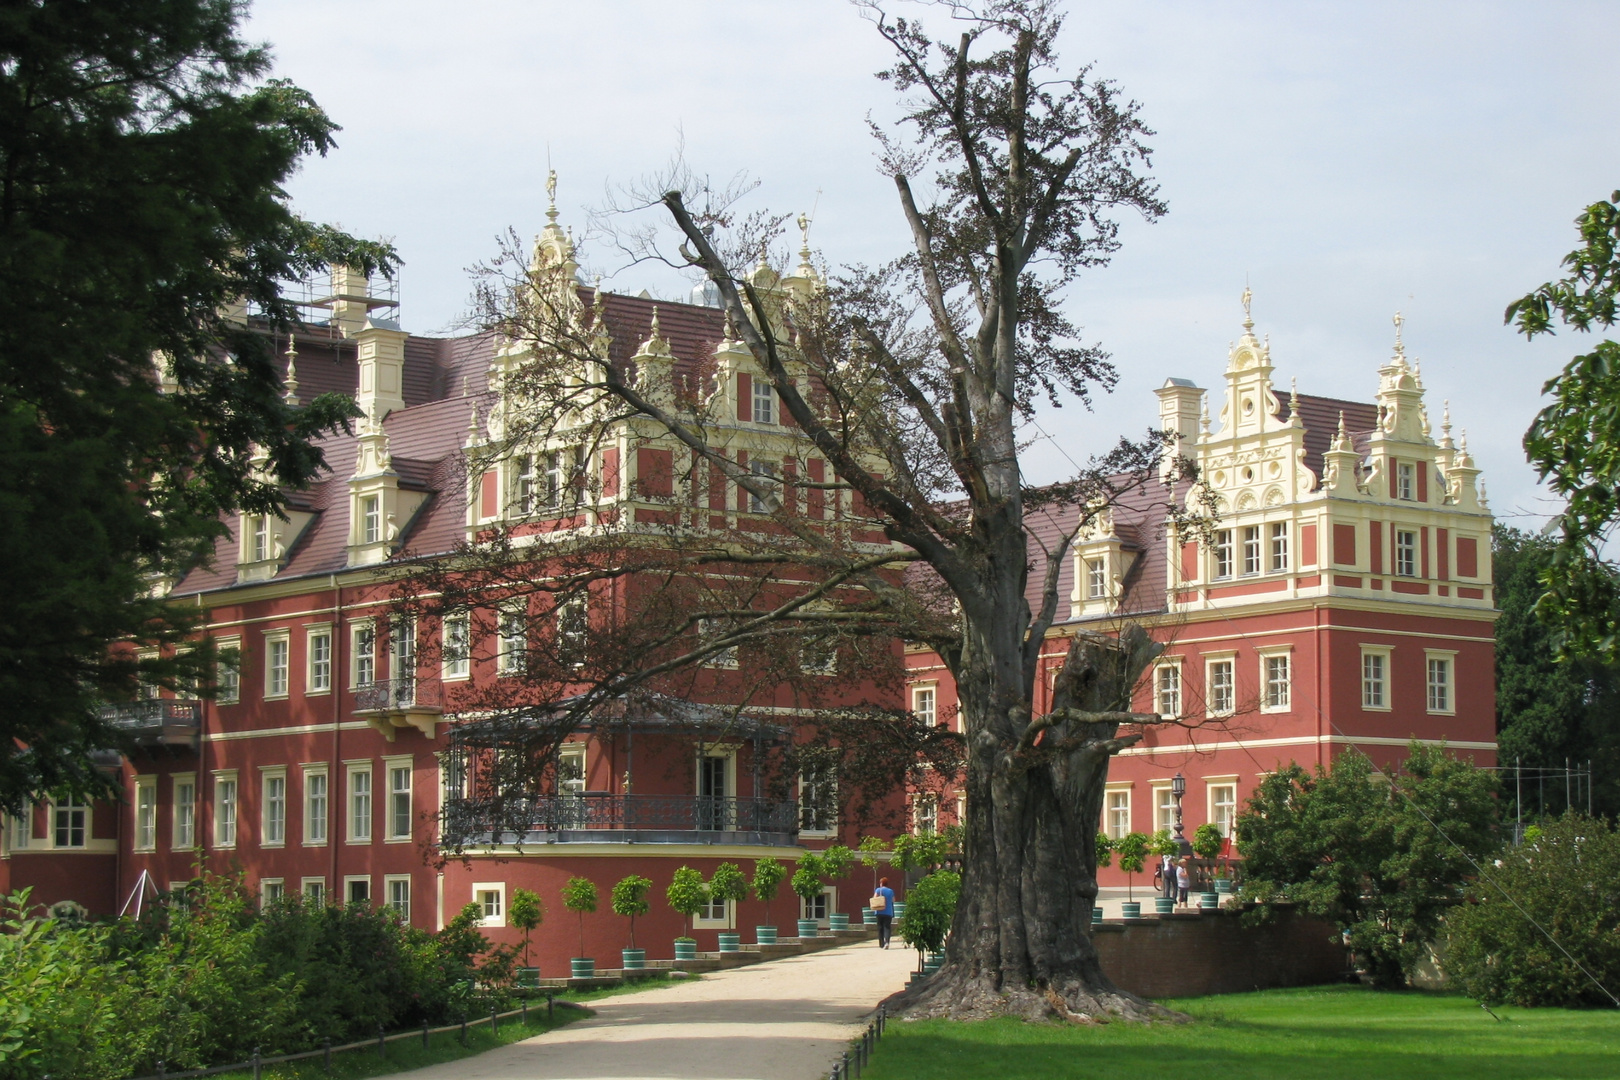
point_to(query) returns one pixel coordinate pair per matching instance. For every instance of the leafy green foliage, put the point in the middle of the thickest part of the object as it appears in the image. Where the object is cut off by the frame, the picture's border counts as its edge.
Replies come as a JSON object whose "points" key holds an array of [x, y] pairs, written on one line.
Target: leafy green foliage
{"points": [[1104, 846], [869, 849], [145, 152], [1370, 851], [836, 862], [1549, 710], [1132, 849], [918, 851], [580, 897], [526, 913], [1207, 840], [930, 907], [687, 894], [1162, 843], [768, 876], [1568, 878], [630, 899], [728, 883], [807, 877], [1575, 441]]}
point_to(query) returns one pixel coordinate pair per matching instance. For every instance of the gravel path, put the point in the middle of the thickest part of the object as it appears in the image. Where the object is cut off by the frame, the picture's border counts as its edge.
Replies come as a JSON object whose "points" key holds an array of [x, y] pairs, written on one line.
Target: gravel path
{"points": [[782, 1020]]}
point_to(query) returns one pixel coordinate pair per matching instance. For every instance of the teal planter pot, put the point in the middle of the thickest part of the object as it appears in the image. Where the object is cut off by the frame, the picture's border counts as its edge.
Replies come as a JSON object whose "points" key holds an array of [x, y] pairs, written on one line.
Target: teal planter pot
{"points": [[765, 935], [1096, 914], [728, 943], [919, 976], [1209, 901], [581, 968], [838, 921], [634, 959], [1132, 910], [868, 916], [685, 950], [528, 978], [1223, 885], [933, 963], [899, 910], [807, 928], [1163, 905]]}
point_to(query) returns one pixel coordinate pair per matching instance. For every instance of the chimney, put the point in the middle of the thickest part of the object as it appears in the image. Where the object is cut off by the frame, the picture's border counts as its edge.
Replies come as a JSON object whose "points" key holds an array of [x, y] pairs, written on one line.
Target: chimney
{"points": [[1180, 404]]}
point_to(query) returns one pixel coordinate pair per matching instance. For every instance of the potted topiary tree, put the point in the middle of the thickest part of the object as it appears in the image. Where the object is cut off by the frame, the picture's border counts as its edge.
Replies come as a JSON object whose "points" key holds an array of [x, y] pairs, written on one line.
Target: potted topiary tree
{"points": [[1207, 842], [836, 863], [526, 912], [728, 884], [1132, 849], [580, 896], [870, 848], [768, 875], [1105, 857], [1160, 845], [687, 894], [807, 884], [928, 918], [630, 899]]}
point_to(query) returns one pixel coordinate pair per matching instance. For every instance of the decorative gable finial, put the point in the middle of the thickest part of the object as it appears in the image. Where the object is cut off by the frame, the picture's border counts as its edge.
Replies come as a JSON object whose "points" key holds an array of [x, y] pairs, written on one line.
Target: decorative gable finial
{"points": [[551, 196], [291, 393], [1294, 420], [1248, 298], [1341, 440], [1400, 347]]}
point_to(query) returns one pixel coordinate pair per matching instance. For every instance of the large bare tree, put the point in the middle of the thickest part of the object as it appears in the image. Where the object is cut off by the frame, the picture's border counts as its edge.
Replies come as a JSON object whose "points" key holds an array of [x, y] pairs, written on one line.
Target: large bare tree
{"points": [[916, 382]]}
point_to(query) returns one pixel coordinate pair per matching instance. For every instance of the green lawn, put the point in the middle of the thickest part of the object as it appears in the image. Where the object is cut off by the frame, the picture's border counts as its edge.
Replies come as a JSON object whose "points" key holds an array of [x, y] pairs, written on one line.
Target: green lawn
{"points": [[1323, 1033]]}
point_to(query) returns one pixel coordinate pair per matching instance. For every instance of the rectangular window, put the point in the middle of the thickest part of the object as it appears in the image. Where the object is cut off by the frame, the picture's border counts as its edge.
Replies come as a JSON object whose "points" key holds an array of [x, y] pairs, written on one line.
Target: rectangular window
{"points": [[71, 820], [1251, 549], [275, 809], [225, 812], [1222, 689], [818, 800], [370, 519], [1223, 807], [261, 539], [314, 890], [315, 797], [228, 672], [1279, 546], [571, 769], [20, 828], [1167, 690], [573, 621], [271, 891], [357, 890], [523, 485], [491, 900], [1374, 680], [767, 478], [145, 813], [725, 658], [556, 478], [513, 654], [1278, 682], [1406, 553], [1164, 809], [1439, 685], [320, 661], [1117, 807], [452, 778], [1223, 553], [763, 411], [1096, 579], [360, 805], [397, 895], [715, 910], [399, 802], [922, 704], [365, 655], [402, 649], [1405, 480], [815, 907], [185, 814], [456, 648], [925, 814], [275, 667]]}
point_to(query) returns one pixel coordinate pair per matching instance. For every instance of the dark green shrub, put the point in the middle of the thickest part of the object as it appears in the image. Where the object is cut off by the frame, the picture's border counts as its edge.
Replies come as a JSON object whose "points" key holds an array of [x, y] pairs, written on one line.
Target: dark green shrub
{"points": [[930, 907]]}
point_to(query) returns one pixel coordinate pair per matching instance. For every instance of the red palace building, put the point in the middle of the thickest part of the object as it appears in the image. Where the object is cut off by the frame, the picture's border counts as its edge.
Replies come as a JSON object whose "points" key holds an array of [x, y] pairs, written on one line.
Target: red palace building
{"points": [[1343, 601]]}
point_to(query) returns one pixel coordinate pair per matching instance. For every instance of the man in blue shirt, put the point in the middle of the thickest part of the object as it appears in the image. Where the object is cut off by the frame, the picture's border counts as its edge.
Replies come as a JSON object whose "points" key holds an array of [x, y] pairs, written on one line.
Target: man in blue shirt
{"points": [[885, 917]]}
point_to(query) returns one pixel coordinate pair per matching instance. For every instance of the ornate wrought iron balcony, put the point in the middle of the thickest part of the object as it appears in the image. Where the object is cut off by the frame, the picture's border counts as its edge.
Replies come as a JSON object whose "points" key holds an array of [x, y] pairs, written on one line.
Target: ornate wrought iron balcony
{"points": [[391, 704], [156, 721], [593, 817]]}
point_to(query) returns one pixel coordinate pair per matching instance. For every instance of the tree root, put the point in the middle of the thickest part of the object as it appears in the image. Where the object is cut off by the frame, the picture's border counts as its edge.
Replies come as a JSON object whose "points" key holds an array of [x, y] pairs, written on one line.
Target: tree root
{"points": [[951, 996]]}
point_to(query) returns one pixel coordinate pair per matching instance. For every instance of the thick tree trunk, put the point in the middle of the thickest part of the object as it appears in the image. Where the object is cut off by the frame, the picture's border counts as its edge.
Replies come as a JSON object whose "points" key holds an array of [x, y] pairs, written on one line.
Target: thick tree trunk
{"points": [[1021, 940]]}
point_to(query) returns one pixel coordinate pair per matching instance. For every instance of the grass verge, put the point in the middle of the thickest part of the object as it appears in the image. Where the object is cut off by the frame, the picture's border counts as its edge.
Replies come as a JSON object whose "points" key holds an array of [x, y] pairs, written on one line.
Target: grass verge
{"points": [[1321, 1033]]}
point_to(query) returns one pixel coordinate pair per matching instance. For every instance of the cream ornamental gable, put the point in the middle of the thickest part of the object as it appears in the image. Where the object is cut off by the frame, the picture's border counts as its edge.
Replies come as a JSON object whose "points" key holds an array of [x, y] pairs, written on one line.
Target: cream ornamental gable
{"points": [[1389, 514]]}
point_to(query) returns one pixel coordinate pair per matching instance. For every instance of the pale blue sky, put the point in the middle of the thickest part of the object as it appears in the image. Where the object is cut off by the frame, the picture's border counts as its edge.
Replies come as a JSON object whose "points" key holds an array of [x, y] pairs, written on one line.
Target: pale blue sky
{"points": [[1349, 158]]}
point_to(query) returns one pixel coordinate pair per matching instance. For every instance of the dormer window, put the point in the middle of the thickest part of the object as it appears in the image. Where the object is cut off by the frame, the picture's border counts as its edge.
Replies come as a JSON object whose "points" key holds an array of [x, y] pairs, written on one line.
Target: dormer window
{"points": [[260, 549], [1096, 579], [1406, 481], [1251, 549], [764, 406], [370, 519]]}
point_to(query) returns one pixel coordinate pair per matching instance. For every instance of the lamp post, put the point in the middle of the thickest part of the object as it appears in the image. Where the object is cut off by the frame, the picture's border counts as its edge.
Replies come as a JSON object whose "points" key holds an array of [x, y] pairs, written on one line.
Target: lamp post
{"points": [[1178, 788]]}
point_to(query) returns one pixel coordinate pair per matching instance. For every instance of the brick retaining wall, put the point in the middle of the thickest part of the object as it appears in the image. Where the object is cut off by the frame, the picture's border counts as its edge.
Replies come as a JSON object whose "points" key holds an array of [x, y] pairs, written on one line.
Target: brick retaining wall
{"points": [[1188, 955]]}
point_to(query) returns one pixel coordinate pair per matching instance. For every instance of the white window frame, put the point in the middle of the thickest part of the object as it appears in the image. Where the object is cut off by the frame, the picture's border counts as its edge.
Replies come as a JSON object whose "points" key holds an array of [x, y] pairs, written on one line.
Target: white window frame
{"points": [[820, 906], [567, 756], [512, 652], [1406, 553], [258, 538], [227, 808], [312, 889], [520, 500], [556, 463], [228, 670], [318, 668], [1448, 658], [183, 826], [1113, 826], [1167, 690], [402, 647], [144, 834], [362, 653], [1382, 654], [1270, 702], [705, 919], [726, 658], [277, 664], [392, 768], [78, 820], [1213, 786], [925, 813], [370, 519], [1213, 705], [1253, 560], [391, 883], [764, 472], [269, 826], [317, 820], [573, 624], [498, 917], [455, 646], [1097, 578], [1221, 556], [351, 880], [1164, 806], [812, 788], [269, 886], [1279, 553], [925, 702], [1406, 481], [20, 829], [764, 402], [359, 803]]}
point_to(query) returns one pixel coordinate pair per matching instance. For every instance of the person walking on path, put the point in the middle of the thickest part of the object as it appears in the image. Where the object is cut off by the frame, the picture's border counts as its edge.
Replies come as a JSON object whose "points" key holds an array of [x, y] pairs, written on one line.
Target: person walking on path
{"points": [[885, 915]]}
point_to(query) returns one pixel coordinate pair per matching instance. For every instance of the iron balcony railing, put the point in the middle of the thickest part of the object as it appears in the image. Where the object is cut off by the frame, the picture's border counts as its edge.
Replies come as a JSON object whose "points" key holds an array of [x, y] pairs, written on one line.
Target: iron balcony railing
{"points": [[152, 713], [391, 695], [591, 816]]}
